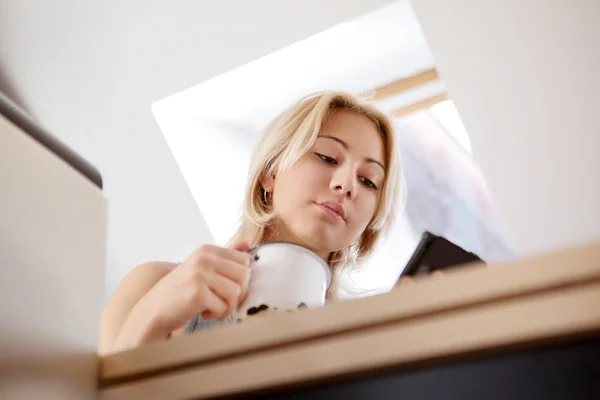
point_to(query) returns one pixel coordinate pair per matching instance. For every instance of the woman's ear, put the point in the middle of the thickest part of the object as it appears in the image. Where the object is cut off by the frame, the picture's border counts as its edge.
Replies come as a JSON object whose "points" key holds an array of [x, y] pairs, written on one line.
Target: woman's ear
{"points": [[268, 183]]}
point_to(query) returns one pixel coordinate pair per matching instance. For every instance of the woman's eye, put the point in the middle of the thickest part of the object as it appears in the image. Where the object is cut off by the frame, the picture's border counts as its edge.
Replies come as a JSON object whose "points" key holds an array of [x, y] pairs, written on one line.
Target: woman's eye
{"points": [[368, 183], [327, 159]]}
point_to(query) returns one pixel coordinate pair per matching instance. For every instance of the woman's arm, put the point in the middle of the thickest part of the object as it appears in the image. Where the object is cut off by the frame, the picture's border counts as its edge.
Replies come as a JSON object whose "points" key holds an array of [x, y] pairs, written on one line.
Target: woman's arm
{"points": [[156, 299], [119, 316]]}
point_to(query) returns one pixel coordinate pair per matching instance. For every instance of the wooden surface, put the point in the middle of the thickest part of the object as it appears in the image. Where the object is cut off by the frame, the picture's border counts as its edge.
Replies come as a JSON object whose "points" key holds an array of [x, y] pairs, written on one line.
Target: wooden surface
{"points": [[404, 84], [548, 298], [419, 105]]}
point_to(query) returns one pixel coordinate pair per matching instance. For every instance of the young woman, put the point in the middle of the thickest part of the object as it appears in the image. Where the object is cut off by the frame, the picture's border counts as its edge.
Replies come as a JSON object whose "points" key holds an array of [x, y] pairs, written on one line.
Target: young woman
{"points": [[325, 175]]}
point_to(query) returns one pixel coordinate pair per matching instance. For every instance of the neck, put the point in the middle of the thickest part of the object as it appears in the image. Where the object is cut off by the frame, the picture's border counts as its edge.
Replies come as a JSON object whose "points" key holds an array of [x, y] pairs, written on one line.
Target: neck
{"points": [[279, 233]]}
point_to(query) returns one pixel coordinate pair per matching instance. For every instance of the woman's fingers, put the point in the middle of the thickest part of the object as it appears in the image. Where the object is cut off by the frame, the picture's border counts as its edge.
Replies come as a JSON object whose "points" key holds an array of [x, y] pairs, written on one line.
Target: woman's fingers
{"points": [[214, 304], [404, 280], [408, 279], [234, 271], [240, 246], [238, 274], [437, 273], [237, 253], [210, 253], [228, 290]]}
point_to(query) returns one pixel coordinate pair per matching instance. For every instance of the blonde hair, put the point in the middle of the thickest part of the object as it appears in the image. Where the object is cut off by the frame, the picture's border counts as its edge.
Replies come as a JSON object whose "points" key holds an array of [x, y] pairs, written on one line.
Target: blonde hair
{"points": [[286, 139]]}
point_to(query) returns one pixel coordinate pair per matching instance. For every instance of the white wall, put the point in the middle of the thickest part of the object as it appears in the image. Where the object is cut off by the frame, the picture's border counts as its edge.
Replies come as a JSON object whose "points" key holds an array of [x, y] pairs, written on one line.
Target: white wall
{"points": [[524, 77], [90, 70]]}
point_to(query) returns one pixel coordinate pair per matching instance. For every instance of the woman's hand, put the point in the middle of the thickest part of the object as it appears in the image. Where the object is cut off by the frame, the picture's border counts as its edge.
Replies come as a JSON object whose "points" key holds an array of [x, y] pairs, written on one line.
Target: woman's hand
{"points": [[212, 281], [408, 279]]}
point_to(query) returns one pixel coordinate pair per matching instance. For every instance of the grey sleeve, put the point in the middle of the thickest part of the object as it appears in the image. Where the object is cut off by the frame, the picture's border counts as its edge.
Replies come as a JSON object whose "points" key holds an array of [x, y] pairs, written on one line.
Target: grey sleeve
{"points": [[197, 323]]}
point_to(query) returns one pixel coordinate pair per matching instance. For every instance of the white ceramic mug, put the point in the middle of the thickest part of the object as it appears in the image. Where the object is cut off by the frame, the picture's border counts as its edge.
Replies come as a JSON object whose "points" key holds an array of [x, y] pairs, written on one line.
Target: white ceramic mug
{"points": [[284, 276]]}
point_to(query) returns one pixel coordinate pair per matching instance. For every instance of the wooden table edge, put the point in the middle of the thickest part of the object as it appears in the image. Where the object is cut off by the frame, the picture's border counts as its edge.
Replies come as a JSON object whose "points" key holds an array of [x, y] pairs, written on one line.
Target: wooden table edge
{"points": [[461, 288], [570, 312]]}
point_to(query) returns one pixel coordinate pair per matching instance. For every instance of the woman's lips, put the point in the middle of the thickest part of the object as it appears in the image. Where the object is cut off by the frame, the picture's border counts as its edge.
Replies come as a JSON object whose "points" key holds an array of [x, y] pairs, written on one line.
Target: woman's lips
{"points": [[331, 212]]}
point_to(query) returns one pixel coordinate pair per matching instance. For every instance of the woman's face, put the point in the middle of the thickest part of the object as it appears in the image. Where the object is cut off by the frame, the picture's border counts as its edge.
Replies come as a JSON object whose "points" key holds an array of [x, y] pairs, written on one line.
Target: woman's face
{"points": [[328, 197]]}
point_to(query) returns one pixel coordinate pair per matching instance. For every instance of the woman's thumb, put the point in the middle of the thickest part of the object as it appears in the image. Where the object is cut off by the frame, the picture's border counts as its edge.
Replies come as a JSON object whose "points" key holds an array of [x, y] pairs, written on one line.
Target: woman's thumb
{"points": [[241, 246]]}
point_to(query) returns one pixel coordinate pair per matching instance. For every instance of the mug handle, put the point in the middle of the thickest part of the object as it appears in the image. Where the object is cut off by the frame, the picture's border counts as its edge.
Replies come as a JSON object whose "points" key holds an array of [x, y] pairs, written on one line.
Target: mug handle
{"points": [[253, 254]]}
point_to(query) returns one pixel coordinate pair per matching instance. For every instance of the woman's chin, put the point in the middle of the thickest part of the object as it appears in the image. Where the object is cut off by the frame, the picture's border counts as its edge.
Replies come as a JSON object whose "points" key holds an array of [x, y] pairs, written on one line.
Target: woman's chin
{"points": [[322, 244], [317, 236]]}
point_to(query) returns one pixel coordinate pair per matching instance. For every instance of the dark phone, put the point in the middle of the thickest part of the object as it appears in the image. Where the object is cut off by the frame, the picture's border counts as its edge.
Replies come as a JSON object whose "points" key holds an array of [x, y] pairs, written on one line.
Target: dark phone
{"points": [[436, 253]]}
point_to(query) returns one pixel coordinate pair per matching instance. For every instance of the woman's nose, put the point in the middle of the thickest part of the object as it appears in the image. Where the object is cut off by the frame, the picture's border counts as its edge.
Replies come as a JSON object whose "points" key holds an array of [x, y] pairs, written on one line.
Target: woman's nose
{"points": [[343, 181]]}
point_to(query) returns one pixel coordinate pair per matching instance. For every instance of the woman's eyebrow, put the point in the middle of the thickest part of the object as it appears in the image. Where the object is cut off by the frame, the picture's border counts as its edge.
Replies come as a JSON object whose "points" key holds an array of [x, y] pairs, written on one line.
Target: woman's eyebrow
{"points": [[374, 161], [340, 141], [347, 147]]}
